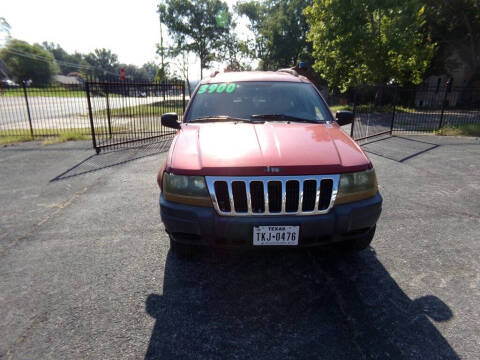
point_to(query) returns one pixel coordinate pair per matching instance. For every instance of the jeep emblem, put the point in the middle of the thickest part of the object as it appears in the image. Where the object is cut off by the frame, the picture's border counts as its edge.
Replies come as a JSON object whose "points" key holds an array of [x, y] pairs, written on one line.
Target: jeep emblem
{"points": [[270, 169]]}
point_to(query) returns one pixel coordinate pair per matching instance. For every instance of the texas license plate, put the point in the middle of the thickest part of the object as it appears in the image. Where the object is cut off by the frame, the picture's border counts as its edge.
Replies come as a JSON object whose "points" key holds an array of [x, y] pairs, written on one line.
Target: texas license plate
{"points": [[275, 235]]}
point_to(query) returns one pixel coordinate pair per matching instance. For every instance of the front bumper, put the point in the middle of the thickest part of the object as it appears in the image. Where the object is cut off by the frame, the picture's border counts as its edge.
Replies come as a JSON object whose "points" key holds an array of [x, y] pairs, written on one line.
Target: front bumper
{"points": [[203, 226]]}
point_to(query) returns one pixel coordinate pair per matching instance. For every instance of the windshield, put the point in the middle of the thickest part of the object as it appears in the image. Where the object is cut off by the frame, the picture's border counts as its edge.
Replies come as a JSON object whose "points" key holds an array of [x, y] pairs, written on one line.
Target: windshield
{"points": [[243, 99]]}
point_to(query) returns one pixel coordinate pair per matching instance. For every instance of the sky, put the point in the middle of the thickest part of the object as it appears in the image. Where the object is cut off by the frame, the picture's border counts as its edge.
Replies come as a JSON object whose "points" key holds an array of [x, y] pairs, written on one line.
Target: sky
{"points": [[129, 28]]}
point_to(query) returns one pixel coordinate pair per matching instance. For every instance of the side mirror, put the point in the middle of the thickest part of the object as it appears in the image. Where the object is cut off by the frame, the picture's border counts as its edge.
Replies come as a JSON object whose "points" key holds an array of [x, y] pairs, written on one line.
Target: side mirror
{"points": [[170, 120], [344, 117]]}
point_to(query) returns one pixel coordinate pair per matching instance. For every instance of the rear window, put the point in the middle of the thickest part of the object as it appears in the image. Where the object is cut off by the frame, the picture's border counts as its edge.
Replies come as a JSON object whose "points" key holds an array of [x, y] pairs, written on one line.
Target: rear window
{"points": [[244, 99]]}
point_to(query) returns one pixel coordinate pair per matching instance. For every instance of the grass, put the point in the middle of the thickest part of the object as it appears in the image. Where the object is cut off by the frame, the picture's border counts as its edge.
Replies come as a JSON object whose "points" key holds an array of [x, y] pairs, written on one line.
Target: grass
{"points": [[57, 136], [460, 130], [49, 136], [153, 109], [12, 139], [64, 137], [45, 92], [364, 108]]}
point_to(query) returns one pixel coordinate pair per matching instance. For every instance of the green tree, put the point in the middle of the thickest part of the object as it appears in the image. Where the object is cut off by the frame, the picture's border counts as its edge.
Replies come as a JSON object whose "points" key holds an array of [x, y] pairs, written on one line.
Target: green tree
{"points": [[67, 62], [280, 30], [183, 70], [369, 41], [196, 26], [132, 72], [29, 62], [104, 64], [455, 26], [149, 70], [161, 75], [235, 52]]}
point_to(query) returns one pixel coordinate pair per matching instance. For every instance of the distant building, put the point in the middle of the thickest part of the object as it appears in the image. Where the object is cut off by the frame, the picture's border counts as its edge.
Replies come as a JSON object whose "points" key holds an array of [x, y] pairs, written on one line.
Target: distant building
{"points": [[432, 92], [67, 80]]}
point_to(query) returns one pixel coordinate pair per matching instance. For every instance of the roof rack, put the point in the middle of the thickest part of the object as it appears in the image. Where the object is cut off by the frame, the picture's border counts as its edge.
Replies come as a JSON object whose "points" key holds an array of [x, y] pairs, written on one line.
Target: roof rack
{"points": [[289, 71]]}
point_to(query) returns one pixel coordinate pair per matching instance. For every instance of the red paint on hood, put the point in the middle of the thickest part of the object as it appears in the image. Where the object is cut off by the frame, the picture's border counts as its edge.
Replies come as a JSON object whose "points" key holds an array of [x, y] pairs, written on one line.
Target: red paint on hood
{"points": [[242, 149]]}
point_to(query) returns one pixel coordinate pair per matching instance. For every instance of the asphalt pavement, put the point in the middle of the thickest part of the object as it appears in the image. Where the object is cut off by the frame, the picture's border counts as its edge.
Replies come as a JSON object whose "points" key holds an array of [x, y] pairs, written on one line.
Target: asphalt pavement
{"points": [[86, 271]]}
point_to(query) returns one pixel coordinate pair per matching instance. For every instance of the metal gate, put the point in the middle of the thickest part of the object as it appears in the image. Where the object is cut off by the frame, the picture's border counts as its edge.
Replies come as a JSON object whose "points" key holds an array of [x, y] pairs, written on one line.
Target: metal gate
{"points": [[125, 113], [374, 109], [392, 110]]}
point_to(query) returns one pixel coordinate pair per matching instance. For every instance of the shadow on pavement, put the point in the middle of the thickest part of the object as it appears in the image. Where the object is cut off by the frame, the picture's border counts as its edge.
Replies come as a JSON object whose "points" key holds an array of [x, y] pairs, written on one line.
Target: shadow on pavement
{"points": [[272, 305], [398, 148], [402, 148], [109, 159]]}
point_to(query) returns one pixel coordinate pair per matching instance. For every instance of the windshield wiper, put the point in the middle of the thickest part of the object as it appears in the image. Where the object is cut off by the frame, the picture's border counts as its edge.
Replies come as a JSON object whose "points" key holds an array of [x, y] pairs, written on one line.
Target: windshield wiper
{"points": [[218, 118], [283, 117]]}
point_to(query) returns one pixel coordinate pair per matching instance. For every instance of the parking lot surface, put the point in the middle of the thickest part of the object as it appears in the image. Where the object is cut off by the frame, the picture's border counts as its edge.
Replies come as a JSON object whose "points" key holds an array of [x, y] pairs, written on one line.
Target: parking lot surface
{"points": [[86, 272]]}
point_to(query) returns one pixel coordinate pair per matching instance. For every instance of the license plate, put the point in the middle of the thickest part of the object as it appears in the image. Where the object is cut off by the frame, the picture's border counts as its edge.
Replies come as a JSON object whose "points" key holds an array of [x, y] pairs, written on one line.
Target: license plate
{"points": [[275, 235]]}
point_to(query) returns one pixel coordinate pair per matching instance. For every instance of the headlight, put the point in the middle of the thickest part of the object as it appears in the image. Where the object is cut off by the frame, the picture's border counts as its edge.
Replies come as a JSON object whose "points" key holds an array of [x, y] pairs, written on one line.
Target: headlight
{"points": [[190, 190], [356, 186]]}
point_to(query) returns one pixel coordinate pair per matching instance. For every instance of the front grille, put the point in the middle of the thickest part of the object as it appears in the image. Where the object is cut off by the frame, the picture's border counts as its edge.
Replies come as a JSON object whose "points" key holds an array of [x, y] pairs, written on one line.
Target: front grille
{"points": [[273, 195]]}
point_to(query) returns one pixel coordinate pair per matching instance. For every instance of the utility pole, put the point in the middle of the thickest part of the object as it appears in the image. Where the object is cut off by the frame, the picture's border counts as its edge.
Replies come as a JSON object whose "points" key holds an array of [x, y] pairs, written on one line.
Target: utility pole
{"points": [[162, 54], [161, 41]]}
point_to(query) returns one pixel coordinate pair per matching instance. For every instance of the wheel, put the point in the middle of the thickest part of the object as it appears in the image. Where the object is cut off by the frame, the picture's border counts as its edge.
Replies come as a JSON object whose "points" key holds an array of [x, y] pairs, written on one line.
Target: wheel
{"points": [[359, 244], [180, 250]]}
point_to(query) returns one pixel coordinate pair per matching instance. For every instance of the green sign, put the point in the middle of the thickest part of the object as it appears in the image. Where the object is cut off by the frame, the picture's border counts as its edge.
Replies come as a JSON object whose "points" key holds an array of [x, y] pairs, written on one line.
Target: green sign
{"points": [[218, 88]]}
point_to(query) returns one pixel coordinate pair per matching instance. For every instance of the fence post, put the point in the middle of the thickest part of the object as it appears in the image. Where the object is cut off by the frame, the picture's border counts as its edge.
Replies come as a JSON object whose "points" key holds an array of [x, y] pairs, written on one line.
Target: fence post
{"points": [[393, 112], [183, 94], [28, 108], [108, 112], [353, 110], [90, 114], [443, 104], [164, 88]]}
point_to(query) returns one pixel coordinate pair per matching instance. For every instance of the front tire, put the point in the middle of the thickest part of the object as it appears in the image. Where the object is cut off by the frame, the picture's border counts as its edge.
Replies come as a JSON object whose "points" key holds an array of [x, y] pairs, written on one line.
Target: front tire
{"points": [[181, 251], [359, 244]]}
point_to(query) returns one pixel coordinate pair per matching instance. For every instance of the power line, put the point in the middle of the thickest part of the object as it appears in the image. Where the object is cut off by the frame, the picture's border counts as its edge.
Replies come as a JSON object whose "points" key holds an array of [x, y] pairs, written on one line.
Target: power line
{"points": [[4, 69], [47, 60], [44, 59]]}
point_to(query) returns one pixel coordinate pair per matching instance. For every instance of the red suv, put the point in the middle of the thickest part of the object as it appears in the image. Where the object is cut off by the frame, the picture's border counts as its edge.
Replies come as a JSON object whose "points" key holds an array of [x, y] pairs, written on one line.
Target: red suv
{"points": [[259, 160]]}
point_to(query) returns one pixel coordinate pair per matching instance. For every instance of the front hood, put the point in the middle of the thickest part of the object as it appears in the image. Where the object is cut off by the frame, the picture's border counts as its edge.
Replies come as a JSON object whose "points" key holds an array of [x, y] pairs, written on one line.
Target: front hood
{"points": [[271, 148]]}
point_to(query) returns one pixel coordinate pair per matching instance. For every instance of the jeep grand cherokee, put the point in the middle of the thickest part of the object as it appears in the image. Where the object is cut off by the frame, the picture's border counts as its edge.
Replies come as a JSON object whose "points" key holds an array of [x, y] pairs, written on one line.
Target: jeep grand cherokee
{"points": [[259, 160]]}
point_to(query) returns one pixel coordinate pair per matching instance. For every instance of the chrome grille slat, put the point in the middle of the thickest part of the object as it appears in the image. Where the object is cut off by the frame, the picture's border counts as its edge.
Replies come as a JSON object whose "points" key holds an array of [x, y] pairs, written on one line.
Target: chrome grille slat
{"points": [[264, 180], [300, 197], [249, 197], [230, 196], [317, 195], [265, 196]]}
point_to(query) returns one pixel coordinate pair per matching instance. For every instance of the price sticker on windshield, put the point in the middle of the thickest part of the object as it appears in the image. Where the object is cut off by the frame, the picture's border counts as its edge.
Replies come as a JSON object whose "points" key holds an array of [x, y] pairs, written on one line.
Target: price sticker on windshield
{"points": [[217, 88]]}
